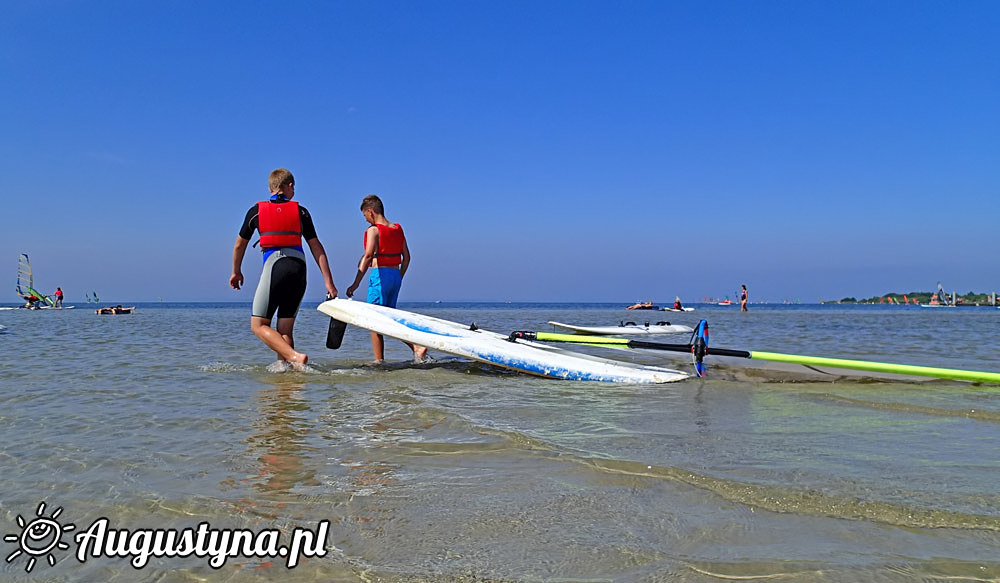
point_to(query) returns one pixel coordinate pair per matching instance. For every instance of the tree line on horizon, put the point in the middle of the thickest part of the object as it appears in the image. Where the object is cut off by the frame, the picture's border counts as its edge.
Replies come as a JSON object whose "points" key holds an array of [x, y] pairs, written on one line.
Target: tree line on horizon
{"points": [[970, 298]]}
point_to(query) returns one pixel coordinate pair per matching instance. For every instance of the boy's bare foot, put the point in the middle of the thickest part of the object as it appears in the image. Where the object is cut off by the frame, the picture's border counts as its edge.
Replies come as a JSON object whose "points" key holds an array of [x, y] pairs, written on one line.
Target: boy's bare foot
{"points": [[278, 366], [298, 361], [419, 353]]}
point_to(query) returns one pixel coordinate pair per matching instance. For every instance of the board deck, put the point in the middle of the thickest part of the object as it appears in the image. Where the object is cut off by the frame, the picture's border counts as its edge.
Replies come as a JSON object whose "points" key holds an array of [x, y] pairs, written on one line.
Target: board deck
{"points": [[493, 348], [625, 329]]}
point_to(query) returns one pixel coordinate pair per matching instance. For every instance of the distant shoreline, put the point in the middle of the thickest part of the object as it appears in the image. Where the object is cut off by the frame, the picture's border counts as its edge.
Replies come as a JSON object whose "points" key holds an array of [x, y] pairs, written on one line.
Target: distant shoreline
{"points": [[914, 298]]}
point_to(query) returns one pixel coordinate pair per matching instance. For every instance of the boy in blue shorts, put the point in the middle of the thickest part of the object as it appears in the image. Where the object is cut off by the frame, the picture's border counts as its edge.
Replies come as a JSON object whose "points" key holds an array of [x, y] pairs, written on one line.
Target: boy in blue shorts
{"points": [[388, 255]]}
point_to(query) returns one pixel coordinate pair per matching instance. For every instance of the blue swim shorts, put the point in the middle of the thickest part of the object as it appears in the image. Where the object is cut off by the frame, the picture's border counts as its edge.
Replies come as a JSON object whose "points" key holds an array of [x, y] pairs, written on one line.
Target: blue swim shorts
{"points": [[383, 286]]}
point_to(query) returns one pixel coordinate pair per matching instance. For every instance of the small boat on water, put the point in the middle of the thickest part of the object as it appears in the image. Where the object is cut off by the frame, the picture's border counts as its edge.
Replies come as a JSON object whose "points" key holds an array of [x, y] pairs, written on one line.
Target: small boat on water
{"points": [[939, 299], [677, 307], [643, 306], [114, 310]]}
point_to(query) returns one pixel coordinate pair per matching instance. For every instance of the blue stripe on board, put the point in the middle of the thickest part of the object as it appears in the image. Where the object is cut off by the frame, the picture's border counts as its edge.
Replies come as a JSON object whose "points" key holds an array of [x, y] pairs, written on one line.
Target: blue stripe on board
{"points": [[545, 371], [423, 327]]}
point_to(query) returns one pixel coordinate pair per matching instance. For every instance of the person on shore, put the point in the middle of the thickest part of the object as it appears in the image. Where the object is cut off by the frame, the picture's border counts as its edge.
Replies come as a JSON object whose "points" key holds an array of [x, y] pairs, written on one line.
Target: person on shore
{"points": [[744, 298], [387, 253], [59, 297], [282, 224]]}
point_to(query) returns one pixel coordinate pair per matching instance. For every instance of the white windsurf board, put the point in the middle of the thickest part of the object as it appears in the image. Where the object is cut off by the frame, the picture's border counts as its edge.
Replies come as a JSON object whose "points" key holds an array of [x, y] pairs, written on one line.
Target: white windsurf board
{"points": [[489, 347]]}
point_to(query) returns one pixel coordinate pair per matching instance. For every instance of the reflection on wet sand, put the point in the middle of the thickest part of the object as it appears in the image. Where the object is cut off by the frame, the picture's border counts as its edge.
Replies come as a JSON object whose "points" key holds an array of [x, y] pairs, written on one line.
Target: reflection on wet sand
{"points": [[281, 432]]}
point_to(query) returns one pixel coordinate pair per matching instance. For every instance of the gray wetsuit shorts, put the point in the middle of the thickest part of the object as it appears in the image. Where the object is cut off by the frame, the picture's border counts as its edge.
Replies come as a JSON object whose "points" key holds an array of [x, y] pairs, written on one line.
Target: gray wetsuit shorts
{"points": [[282, 284]]}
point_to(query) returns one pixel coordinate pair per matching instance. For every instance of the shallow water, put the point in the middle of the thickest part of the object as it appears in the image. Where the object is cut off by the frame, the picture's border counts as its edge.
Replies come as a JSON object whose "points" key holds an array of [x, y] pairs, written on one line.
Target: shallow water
{"points": [[454, 471]]}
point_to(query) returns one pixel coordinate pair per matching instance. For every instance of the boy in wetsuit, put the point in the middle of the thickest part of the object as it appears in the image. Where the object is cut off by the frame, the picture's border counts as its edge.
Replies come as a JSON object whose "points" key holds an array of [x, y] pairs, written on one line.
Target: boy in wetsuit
{"points": [[387, 253], [282, 225]]}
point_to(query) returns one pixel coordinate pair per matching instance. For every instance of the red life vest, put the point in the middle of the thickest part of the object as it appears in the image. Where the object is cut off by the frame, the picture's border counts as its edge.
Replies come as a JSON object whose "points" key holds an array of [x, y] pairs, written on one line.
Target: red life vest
{"points": [[279, 224], [390, 245]]}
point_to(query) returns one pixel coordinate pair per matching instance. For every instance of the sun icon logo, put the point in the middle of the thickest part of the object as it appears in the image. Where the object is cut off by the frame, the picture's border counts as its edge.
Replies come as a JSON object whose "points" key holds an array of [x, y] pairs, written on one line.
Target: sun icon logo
{"points": [[39, 537]]}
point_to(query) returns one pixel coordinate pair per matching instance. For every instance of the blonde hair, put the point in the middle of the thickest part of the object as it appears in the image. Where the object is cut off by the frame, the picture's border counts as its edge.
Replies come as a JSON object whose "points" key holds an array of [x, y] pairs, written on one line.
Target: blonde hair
{"points": [[279, 178]]}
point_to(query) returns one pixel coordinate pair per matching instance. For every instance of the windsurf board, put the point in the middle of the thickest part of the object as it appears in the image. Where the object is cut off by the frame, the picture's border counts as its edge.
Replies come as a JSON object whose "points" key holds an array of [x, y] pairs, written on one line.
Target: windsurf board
{"points": [[492, 348]]}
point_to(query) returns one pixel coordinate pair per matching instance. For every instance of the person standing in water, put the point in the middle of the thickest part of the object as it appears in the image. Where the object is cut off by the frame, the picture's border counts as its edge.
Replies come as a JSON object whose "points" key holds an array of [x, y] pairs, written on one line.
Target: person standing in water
{"points": [[282, 225], [744, 298], [387, 253]]}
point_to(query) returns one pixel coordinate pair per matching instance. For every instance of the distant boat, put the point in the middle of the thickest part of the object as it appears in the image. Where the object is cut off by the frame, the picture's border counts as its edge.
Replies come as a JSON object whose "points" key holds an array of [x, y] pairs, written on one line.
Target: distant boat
{"points": [[114, 310], [939, 299], [726, 302]]}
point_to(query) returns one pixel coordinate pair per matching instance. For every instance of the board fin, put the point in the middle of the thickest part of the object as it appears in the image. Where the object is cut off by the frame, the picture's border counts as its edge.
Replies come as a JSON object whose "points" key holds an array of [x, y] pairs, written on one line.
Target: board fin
{"points": [[335, 332]]}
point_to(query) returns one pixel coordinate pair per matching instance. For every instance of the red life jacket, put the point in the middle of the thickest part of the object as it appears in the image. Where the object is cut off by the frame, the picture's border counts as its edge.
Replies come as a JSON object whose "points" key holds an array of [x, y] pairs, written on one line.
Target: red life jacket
{"points": [[390, 245], [279, 224]]}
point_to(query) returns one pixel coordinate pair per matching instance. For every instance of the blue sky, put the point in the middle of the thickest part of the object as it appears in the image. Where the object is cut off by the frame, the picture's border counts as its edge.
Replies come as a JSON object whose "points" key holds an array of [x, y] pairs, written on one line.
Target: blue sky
{"points": [[533, 151]]}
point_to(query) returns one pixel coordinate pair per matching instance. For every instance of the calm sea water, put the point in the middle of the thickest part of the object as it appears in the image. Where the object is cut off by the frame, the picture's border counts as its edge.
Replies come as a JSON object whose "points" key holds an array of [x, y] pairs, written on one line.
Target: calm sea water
{"points": [[453, 471]]}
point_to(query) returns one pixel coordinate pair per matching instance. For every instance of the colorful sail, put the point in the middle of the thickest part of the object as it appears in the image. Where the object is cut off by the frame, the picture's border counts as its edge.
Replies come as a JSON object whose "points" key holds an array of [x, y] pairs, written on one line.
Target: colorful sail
{"points": [[25, 279], [26, 282]]}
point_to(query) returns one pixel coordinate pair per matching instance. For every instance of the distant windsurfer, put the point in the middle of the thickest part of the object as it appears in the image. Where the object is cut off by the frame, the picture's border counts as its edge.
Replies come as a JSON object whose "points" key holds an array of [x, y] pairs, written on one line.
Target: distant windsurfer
{"points": [[282, 225], [59, 297], [677, 303]]}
